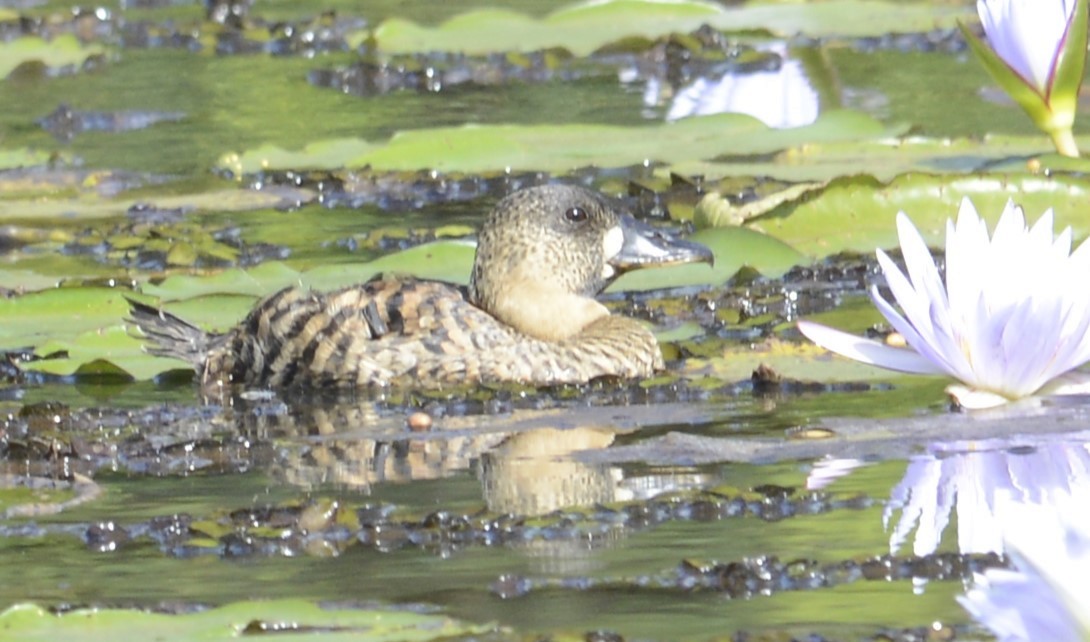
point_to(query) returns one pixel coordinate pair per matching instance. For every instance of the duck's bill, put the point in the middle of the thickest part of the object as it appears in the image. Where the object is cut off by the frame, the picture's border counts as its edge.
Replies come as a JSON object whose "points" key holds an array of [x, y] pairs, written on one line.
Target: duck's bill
{"points": [[647, 246]]}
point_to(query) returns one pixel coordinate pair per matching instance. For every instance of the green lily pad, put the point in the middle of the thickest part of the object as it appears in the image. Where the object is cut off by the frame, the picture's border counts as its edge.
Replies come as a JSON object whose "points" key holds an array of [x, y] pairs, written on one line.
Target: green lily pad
{"points": [[587, 26], [106, 352], [802, 361], [734, 248], [61, 51], [560, 148], [328, 154], [444, 260], [449, 261], [14, 496], [27, 280], [85, 322], [24, 157], [34, 318], [87, 205], [885, 159], [293, 620], [857, 213]]}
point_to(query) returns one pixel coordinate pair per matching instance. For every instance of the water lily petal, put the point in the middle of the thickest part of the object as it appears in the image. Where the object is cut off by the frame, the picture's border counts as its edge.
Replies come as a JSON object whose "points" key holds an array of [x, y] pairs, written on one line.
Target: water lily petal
{"points": [[867, 350], [1029, 343], [1027, 35], [925, 348], [1074, 351], [984, 336], [966, 242], [919, 263], [913, 303], [931, 338], [927, 285]]}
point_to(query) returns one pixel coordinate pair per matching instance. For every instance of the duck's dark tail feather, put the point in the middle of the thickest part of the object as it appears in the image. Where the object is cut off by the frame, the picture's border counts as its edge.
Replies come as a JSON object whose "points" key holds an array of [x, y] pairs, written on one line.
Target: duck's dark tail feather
{"points": [[171, 336]]}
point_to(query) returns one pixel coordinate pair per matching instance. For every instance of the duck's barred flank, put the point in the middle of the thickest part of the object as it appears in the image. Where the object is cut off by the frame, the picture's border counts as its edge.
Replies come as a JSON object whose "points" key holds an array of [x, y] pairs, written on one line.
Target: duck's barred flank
{"points": [[396, 331]]}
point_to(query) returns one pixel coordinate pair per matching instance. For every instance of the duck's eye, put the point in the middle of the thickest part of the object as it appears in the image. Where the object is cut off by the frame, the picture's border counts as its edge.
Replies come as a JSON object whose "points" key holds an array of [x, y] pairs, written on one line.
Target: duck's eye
{"points": [[575, 214]]}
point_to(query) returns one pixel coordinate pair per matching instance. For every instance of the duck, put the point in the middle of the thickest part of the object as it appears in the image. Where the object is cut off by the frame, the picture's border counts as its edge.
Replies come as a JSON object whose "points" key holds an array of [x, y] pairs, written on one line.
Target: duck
{"points": [[529, 314]]}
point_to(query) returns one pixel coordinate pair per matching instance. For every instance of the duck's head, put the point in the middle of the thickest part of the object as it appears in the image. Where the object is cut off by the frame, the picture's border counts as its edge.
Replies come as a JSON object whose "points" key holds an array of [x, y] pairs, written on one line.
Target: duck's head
{"points": [[545, 252]]}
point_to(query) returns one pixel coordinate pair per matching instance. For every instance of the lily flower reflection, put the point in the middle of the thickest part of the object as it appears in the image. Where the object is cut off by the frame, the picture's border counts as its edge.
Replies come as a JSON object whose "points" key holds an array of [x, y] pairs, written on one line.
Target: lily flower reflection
{"points": [[1047, 597], [1011, 320], [828, 470], [1037, 54], [970, 479], [779, 95]]}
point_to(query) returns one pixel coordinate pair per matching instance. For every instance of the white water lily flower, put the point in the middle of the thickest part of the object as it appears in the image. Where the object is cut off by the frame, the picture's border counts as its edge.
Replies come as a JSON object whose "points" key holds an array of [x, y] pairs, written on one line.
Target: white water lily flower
{"points": [[1011, 320], [1037, 51], [1047, 597]]}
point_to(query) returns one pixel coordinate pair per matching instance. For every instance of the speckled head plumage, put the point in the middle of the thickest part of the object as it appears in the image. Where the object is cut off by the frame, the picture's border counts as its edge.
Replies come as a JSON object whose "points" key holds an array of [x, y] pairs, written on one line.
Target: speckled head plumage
{"points": [[544, 252], [553, 232]]}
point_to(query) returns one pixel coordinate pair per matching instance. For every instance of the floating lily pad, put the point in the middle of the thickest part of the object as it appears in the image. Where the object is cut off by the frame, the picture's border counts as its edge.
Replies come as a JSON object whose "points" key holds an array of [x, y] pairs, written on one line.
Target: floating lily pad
{"points": [[292, 620], [10, 158], [33, 318], [734, 249], [885, 159], [27, 280], [477, 148], [791, 360], [587, 26], [857, 213], [91, 205], [328, 154], [61, 51], [106, 352], [14, 494]]}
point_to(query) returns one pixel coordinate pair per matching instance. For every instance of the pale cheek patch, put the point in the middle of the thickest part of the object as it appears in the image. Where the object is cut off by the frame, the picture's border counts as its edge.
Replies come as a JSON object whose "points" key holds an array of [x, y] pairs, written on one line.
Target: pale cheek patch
{"points": [[612, 243]]}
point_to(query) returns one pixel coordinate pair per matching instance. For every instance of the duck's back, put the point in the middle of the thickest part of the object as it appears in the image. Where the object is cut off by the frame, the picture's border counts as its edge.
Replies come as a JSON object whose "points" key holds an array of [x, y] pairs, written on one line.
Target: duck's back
{"points": [[404, 331]]}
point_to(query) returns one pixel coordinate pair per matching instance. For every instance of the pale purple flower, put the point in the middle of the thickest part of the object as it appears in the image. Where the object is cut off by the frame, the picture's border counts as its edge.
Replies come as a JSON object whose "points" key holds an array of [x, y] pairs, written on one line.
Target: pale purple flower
{"points": [[1028, 35], [1010, 321], [1047, 597]]}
